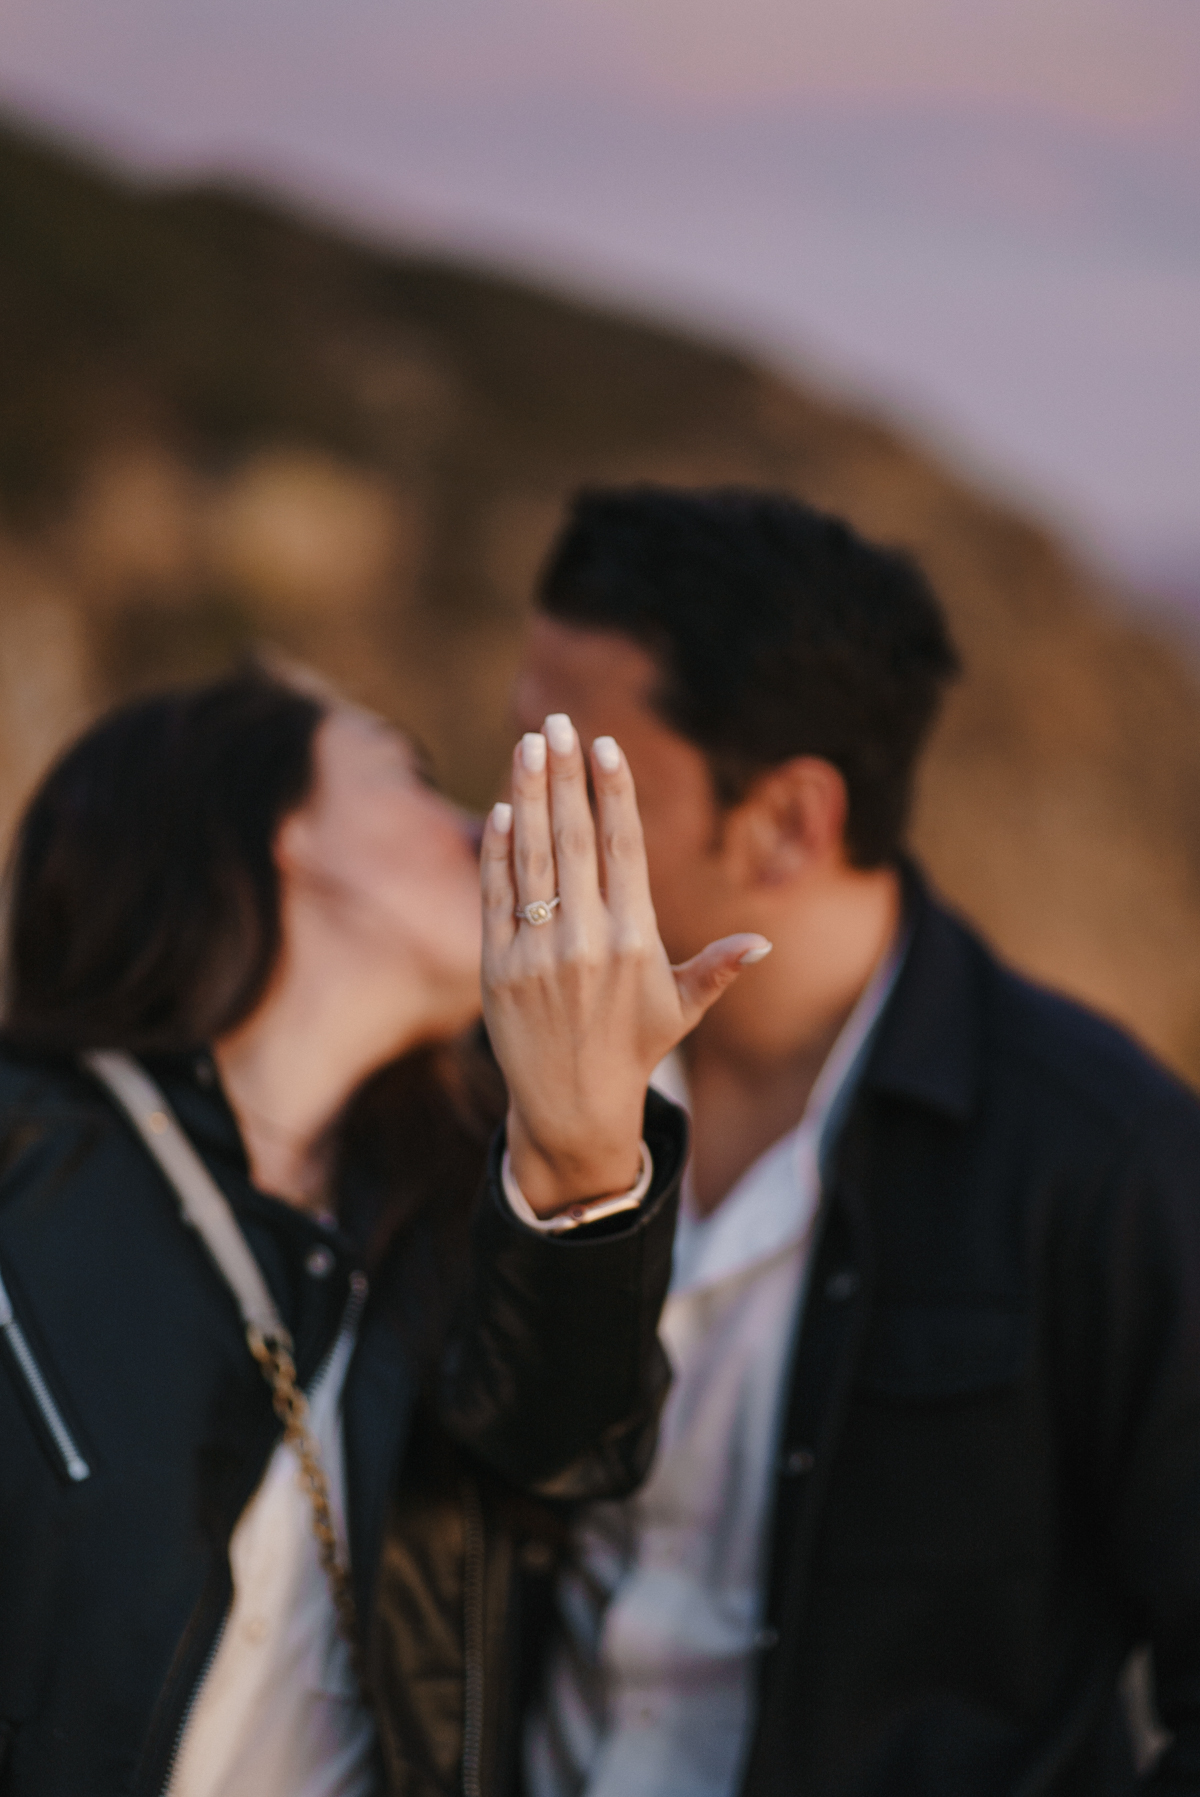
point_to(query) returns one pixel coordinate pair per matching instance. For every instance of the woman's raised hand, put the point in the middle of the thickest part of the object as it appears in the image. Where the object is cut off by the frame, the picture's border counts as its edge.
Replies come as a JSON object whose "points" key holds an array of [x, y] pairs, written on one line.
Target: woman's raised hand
{"points": [[583, 1005]]}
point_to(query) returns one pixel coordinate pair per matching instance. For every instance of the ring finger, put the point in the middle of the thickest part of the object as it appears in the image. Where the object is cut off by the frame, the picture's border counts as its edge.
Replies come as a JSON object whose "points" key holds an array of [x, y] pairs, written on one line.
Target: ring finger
{"points": [[533, 843]]}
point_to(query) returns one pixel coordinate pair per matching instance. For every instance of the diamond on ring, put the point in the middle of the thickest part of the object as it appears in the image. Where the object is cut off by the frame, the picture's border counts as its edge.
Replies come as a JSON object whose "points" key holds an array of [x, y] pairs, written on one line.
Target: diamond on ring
{"points": [[538, 911]]}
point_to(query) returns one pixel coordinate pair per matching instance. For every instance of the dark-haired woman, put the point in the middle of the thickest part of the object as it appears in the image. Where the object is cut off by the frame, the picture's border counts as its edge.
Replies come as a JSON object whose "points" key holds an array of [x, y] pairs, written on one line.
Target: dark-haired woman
{"points": [[233, 910]]}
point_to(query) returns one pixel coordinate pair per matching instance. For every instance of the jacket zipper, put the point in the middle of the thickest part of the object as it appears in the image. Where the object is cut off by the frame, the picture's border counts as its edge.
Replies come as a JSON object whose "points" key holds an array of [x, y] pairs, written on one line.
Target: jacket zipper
{"points": [[473, 1640], [74, 1464], [350, 1316], [177, 1743]]}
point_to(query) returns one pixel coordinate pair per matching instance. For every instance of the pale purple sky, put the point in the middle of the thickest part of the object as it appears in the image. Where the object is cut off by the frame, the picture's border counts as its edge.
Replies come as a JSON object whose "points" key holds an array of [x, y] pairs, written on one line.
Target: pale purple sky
{"points": [[982, 214]]}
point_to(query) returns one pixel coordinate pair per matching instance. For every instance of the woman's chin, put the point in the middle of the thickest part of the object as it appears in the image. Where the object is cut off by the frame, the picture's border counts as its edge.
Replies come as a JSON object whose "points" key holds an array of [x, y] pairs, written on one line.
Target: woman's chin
{"points": [[457, 1007]]}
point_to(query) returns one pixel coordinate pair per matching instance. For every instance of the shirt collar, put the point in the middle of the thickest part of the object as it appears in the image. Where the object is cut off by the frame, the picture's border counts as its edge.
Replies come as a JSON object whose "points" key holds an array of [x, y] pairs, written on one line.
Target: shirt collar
{"points": [[928, 1048], [773, 1204]]}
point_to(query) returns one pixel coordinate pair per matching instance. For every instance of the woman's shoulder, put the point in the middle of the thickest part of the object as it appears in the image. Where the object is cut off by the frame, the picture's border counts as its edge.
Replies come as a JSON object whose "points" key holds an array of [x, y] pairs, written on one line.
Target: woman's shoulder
{"points": [[47, 1104], [37, 1079]]}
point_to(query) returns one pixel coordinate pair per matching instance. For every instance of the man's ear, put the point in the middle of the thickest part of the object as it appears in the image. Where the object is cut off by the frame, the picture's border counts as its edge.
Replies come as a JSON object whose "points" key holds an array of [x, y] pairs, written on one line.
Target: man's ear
{"points": [[793, 821]]}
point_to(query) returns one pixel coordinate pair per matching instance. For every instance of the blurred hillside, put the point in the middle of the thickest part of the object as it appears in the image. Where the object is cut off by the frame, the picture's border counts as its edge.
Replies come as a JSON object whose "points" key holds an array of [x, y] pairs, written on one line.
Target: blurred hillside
{"points": [[220, 423]]}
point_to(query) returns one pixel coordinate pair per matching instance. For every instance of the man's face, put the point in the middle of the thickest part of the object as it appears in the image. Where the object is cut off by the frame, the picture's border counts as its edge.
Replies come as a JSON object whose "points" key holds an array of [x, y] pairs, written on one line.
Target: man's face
{"points": [[604, 681]]}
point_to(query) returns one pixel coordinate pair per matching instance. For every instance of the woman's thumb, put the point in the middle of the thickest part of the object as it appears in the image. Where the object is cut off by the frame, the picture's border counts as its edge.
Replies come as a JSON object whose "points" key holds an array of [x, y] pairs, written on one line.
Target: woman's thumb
{"points": [[706, 975]]}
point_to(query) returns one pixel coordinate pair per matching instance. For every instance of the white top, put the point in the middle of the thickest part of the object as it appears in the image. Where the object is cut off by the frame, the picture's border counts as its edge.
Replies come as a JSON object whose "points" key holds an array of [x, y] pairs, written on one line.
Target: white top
{"points": [[279, 1713], [650, 1691]]}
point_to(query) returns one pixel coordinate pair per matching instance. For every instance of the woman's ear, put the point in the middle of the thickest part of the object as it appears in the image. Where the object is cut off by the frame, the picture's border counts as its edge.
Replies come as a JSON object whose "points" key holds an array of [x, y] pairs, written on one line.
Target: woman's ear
{"points": [[793, 821], [290, 850]]}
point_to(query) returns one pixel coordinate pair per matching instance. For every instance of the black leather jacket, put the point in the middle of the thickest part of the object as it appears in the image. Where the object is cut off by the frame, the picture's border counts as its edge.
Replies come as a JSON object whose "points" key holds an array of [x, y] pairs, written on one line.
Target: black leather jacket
{"points": [[128, 1360]]}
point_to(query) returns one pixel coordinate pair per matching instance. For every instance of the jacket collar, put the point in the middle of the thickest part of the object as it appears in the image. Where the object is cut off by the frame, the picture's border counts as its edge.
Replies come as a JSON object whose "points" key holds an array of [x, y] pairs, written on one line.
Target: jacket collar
{"points": [[928, 1047], [48, 1076], [193, 1086]]}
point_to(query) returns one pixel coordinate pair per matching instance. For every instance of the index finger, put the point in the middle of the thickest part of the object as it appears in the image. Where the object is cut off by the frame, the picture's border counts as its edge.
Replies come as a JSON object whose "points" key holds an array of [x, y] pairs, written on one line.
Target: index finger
{"points": [[619, 832]]}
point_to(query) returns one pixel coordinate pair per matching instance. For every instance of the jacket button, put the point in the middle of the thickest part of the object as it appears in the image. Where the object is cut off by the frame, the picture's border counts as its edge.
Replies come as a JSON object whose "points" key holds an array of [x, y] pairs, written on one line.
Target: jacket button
{"points": [[320, 1261], [796, 1462], [843, 1285], [765, 1639]]}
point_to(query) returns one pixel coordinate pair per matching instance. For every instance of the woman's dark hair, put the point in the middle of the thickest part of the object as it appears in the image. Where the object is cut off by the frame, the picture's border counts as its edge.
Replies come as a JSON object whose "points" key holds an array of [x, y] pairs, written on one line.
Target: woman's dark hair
{"points": [[144, 914], [144, 896], [778, 630]]}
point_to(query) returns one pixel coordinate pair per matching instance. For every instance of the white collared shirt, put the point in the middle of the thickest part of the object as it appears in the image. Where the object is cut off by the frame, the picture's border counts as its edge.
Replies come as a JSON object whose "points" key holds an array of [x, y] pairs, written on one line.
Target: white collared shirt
{"points": [[650, 1691]]}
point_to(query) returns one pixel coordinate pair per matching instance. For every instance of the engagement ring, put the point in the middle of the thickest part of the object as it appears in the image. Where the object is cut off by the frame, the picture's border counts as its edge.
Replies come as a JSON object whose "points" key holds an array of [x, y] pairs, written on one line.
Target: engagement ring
{"points": [[538, 910]]}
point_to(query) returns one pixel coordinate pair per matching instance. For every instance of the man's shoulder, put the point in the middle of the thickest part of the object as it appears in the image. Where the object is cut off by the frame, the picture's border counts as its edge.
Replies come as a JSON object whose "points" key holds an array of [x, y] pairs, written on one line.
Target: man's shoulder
{"points": [[968, 1035], [1065, 1056]]}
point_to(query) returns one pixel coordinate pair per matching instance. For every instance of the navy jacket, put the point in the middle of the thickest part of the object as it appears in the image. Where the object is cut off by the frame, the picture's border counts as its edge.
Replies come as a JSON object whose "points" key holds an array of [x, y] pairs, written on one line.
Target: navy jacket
{"points": [[988, 1483]]}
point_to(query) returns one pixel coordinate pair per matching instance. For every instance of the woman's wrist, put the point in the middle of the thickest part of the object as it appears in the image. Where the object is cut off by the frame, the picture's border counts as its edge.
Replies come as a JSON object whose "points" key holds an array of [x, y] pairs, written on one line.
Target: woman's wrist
{"points": [[551, 1180], [576, 1216]]}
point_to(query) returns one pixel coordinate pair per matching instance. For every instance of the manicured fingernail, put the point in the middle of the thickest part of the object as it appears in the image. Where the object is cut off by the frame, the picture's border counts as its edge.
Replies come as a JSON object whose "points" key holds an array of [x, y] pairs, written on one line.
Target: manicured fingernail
{"points": [[560, 732], [501, 817], [759, 952], [607, 753], [533, 752]]}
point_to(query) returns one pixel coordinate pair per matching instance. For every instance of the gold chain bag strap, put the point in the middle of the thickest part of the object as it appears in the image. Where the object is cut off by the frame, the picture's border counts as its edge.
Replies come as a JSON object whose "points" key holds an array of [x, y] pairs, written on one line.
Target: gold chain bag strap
{"points": [[206, 1208]]}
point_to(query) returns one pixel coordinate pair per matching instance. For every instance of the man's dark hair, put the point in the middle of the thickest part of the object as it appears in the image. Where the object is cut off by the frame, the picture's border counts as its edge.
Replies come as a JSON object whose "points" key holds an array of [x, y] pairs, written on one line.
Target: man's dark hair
{"points": [[779, 632]]}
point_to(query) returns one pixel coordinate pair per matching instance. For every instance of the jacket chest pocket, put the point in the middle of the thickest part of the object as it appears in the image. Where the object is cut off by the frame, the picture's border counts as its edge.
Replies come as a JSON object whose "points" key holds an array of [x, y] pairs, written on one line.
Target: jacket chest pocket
{"points": [[30, 1374], [939, 1466]]}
